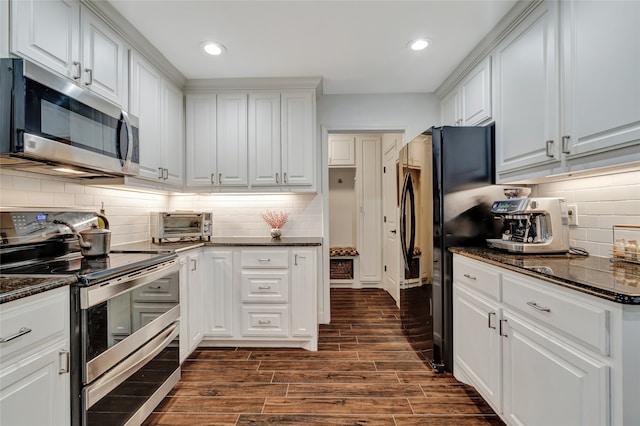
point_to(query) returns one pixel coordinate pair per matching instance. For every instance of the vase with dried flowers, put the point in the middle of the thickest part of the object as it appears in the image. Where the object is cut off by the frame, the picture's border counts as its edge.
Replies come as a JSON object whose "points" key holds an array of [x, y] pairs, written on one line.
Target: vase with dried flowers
{"points": [[276, 221]]}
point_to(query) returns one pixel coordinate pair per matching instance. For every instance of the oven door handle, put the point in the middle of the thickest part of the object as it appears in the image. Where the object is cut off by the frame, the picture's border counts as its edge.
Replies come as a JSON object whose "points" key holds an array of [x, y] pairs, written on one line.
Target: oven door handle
{"points": [[121, 372], [94, 295]]}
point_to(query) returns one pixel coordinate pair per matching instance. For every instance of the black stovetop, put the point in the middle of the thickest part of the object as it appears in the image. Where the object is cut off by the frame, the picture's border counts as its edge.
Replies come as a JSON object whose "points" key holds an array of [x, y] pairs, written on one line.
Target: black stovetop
{"points": [[88, 270]]}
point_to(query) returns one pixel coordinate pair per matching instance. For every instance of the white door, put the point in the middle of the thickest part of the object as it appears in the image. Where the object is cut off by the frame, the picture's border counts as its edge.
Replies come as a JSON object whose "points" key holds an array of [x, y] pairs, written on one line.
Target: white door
{"points": [[298, 124], [264, 139], [231, 139], [218, 288], [369, 193], [390, 250], [200, 147], [173, 134]]}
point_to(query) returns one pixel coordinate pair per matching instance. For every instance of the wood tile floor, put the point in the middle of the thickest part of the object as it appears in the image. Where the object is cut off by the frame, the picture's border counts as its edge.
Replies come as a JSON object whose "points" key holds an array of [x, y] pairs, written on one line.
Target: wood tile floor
{"points": [[365, 372]]}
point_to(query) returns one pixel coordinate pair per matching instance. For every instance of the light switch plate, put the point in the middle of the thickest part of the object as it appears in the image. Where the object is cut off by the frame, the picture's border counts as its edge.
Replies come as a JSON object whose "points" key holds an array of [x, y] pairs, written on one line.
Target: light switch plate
{"points": [[572, 212]]}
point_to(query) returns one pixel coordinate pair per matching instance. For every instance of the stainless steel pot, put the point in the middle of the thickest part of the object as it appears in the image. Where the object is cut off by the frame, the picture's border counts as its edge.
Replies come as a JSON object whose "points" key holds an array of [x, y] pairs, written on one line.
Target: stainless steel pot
{"points": [[94, 242]]}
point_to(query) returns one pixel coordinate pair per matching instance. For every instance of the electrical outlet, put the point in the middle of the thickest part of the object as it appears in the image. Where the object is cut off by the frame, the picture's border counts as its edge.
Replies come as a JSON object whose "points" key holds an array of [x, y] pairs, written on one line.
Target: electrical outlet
{"points": [[572, 212]]}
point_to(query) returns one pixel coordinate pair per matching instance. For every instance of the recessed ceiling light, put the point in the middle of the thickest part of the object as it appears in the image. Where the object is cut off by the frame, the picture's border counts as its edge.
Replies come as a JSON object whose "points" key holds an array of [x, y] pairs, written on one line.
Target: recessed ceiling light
{"points": [[419, 44], [213, 48]]}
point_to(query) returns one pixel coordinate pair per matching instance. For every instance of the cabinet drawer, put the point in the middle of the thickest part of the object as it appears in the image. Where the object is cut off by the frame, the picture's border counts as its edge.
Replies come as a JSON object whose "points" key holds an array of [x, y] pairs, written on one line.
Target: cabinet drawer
{"points": [[265, 287], [265, 259], [479, 276], [45, 314], [583, 321], [265, 321], [162, 290]]}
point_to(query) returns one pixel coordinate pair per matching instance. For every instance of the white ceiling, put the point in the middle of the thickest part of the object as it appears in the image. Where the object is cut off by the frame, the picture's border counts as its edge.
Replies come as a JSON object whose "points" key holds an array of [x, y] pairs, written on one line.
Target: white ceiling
{"points": [[355, 46]]}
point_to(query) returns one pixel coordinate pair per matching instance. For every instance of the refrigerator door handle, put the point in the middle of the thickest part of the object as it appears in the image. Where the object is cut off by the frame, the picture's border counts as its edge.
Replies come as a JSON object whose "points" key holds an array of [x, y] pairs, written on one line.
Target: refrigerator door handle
{"points": [[407, 251]]}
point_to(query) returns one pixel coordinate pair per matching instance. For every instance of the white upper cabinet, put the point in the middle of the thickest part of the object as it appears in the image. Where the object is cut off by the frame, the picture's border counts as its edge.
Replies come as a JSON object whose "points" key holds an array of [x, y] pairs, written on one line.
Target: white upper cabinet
{"points": [[601, 80], [342, 151], [527, 102], [231, 139], [216, 142], [251, 141], [265, 160], [298, 135], [69, 39], [159, 106], [469, 103]]}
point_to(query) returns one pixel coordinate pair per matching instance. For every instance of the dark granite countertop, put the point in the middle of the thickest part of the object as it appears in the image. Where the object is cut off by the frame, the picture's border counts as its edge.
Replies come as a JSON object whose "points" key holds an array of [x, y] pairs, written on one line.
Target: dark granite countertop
{"points": [[220, 242], [598, 276], [17, 287]]}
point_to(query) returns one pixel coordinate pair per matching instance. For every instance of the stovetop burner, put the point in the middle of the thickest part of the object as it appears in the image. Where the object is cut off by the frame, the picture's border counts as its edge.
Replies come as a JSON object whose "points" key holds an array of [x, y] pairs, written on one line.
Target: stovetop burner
{"points": [[90, 270]]}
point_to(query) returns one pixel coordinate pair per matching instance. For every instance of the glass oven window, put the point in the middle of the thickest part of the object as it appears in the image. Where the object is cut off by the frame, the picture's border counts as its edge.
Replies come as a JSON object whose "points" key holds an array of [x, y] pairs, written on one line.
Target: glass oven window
{"points": [[182, 224]]}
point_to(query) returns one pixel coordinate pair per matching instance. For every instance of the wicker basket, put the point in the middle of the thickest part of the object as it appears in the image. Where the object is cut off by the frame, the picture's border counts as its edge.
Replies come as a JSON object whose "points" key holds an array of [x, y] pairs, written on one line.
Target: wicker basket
{"points": [[341, 269]]}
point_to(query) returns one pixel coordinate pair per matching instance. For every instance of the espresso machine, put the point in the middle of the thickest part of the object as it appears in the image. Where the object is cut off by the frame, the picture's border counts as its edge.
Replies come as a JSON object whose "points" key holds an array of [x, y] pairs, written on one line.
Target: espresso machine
{"points": [[532, 225]]}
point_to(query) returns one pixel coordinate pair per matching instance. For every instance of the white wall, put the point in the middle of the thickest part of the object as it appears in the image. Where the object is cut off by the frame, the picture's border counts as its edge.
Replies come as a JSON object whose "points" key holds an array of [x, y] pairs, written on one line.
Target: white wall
{"points": [[127, 211], [413, 113], [240, 215], [602, 201]]}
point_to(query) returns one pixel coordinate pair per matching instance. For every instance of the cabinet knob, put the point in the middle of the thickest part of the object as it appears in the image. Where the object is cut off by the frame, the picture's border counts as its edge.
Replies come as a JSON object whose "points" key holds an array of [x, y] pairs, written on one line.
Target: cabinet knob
{"points": [[213, 178], [565, 144], [491, 324], [471, 277], [534, 305], [21, 332], [78, 73], [64, 360], [220, 178], [277, 177], [266, 322], [502, 328], [160, 172], [549, 147]]}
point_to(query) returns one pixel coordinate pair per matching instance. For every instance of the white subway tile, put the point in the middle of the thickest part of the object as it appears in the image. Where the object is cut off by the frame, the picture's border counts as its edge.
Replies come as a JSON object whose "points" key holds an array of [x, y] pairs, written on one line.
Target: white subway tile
{"points": [[27, 184], [39, 199]]}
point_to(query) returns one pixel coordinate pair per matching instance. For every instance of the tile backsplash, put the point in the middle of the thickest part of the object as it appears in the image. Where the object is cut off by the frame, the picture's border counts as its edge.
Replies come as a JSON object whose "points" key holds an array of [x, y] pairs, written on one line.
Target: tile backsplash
{"points": [[241, 214], [127, 211], [602, 201]]}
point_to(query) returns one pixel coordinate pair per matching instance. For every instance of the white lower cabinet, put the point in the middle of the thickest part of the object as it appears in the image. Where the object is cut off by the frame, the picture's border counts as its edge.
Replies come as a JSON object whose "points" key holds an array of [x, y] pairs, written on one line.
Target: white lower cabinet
{"points": [[547, 381], [191, 306], [259, 296], [535, 351], [34, 366]]}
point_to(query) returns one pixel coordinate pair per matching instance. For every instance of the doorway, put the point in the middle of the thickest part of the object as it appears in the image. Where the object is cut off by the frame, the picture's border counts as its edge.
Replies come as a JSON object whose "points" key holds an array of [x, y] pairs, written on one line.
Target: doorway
{"points": [[363, 210]]}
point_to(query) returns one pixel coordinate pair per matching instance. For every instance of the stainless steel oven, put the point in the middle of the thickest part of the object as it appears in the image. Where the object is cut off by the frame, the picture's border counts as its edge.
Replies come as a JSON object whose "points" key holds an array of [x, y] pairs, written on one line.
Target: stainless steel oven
{"points": [[126, 343]]}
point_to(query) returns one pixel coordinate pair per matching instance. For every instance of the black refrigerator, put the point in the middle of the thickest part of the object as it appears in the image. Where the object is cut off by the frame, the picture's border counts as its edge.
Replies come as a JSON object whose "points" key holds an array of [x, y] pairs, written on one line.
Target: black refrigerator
{"points": [[447, 191]]}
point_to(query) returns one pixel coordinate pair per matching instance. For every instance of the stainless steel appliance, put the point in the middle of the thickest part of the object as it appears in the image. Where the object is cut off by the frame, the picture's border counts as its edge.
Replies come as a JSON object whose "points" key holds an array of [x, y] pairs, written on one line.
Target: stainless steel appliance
{"points": [[448, 176], [125, 313], [181, 225], [532, 225], [50, 125]]}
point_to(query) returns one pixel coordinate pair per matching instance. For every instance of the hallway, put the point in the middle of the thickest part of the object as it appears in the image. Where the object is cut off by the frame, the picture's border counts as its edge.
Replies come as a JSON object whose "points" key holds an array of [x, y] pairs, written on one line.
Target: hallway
{"points": [[364, 372]]}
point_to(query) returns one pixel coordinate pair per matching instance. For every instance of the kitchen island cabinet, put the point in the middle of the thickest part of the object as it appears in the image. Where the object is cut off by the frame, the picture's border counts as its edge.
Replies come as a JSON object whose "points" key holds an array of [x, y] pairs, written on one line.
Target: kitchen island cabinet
{"points": [[564, 354], [34, 364]]}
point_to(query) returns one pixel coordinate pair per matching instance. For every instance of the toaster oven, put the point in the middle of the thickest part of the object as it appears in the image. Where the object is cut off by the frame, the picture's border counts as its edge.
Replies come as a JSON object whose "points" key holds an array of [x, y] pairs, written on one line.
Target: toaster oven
{"points": [[180, 225]]}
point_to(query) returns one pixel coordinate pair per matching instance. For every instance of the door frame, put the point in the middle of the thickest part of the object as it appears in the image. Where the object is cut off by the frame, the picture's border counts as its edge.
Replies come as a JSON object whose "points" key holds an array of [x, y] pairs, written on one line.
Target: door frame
{"points": [[324, 302]]}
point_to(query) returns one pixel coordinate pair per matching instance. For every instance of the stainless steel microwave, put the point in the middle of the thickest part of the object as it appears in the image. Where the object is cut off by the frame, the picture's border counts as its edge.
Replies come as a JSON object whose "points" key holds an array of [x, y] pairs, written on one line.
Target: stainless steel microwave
{"points": [[180, 225], [50, 125]]}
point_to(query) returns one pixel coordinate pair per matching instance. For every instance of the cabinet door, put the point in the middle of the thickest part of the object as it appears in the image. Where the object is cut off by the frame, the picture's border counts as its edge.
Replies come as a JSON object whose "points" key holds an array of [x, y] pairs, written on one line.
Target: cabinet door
{"points": [[173, 132], [218, 287], [527, 94], [104, 59], [201, 140], [48, 32], [264, 139], [601, 69], [547, 382], [231, 139], [450, 109], [195, 314], [369, 195], [342, 151], [303, 293], [35, 392], [146, 101], [298, 135], [475, 94], [185, 309], [477, 346]]}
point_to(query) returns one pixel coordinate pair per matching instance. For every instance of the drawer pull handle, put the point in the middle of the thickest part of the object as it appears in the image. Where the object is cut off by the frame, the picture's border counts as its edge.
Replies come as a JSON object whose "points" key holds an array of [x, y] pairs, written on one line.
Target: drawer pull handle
{"points": [[264, 259], [264, 287], [471, 277], [154, 287], [489, 315], [534, 305], [502, 322], [267, 322], [65, 364], [21, 332]]}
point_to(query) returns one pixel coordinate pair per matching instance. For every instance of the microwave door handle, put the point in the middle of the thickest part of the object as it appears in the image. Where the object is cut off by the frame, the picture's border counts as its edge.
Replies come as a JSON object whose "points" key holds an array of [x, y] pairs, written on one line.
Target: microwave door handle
{"points": [[127, 123]]}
